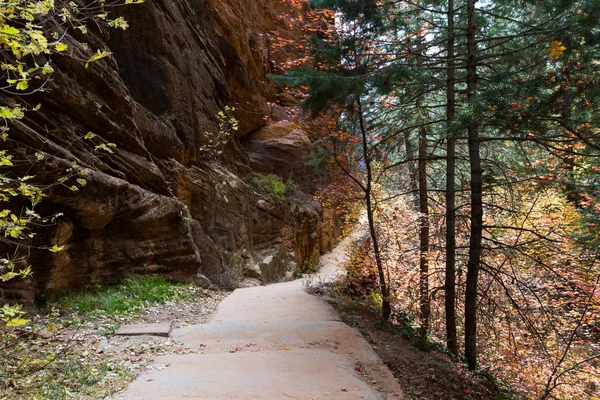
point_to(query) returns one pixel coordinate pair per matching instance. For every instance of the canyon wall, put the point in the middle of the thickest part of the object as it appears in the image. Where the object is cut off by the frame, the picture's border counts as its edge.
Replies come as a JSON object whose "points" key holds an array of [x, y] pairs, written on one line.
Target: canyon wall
{"points": [[168, 201]]}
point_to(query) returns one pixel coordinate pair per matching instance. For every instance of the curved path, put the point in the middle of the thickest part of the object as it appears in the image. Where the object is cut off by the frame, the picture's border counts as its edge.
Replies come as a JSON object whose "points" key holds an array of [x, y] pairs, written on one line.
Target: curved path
{"points": [[272, 342]]}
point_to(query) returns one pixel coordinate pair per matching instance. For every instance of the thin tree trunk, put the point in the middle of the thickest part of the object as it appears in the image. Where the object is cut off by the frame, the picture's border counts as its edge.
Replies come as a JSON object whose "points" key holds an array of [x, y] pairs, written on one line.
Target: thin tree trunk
{"points": [[450, 284], [423, 232], [424, 223], [476, 198], [412, 170], [386, 307]]}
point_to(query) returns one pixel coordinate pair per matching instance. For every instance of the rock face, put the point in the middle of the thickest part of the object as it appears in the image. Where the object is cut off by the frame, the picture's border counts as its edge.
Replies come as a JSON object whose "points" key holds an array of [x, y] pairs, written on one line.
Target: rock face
{"points": [[252, 27], [166, 203], [282, 148]]}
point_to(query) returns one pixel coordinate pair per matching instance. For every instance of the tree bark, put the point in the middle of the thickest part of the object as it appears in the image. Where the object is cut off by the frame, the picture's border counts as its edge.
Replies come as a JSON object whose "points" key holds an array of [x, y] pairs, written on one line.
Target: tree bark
{"points": [[450, 283], [423, 232], [386, 309], [476, 197], [412, 170]]}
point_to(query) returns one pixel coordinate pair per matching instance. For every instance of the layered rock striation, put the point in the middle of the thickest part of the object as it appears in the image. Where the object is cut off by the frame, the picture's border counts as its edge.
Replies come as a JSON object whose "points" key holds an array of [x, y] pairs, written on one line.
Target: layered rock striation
{"points": [[168, 201]]}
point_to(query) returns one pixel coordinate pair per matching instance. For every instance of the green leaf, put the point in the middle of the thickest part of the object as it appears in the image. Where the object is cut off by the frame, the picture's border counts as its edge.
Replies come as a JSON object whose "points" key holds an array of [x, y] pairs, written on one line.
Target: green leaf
{"points": [[23, 85], [47, 69], [56, 248], [6, 112], [8, 276]]}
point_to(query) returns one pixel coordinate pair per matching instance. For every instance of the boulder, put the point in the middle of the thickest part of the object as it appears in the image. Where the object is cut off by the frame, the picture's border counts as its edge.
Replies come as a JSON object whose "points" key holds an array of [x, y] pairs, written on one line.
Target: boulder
{"points": [[282, 148]]}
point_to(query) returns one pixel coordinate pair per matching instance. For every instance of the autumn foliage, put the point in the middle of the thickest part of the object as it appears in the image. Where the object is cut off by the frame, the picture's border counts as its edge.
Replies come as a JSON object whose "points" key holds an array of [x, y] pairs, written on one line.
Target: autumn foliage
{"points": [[515, 98], [540, 303]]}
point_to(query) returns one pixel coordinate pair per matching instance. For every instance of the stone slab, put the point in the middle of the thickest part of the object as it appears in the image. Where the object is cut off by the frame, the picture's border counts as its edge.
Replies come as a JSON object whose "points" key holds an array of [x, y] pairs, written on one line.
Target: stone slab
{"points": [[161, 329], [283, 302], [294, 374], [256, 336]]}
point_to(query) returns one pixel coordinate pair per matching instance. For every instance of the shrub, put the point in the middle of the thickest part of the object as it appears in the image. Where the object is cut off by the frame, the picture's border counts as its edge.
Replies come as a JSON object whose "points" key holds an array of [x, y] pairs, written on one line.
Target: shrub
{"points": [[273, 186]]}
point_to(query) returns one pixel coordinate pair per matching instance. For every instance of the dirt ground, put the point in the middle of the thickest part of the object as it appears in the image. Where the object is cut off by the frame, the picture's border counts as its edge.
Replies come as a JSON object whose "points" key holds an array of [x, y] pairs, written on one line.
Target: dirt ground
{"points": [[83, 359], [422, 374]]}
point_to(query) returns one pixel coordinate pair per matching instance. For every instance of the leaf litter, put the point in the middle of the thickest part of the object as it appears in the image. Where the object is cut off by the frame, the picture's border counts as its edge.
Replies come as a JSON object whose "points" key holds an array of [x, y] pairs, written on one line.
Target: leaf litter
{"points": [[70, 356]]}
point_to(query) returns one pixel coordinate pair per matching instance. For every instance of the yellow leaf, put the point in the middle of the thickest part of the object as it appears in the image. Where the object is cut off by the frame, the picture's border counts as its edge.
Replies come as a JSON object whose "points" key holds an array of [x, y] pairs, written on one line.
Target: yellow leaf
{"points": [[17, 322], [98, 56], [555, 49], [9, 30], [61, 47]]}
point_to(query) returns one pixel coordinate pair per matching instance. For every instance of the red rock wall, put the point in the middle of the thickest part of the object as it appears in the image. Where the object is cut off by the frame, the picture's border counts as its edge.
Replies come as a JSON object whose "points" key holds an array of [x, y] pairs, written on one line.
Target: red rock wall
{"points": [[252, 27], [159, 205]]}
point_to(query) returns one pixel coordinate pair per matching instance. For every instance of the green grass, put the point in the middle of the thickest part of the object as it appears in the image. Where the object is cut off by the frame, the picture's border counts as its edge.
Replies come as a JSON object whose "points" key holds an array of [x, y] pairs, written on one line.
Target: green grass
{"points": [[134, 294]]}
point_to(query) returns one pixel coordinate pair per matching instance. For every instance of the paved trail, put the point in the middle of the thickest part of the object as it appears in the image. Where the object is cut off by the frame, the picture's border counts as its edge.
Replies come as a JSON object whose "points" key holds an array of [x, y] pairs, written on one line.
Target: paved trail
{"points": [[272, 342]]}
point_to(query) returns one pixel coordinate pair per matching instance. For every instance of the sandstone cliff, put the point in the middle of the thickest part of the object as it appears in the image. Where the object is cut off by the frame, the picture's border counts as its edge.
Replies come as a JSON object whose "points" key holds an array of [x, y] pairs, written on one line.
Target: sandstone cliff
{"points": [[162, 204]]}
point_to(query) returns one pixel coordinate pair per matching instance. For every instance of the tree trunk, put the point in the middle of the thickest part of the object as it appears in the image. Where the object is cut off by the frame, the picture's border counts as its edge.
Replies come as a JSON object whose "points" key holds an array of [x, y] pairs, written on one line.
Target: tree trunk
{"points": [[450, 284], [423, 232], [424, 223], [476, 198], [386, 307], [412, 170]]}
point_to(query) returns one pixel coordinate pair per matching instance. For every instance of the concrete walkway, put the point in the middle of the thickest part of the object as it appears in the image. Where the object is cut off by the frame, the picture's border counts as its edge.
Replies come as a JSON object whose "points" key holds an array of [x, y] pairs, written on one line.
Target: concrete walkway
{"points": [[271, 342]]}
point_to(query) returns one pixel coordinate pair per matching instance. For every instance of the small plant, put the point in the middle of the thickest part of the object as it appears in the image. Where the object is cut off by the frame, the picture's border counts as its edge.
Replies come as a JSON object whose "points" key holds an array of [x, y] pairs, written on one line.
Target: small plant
{"points": [[272, 185], [350, 322], [376, 299], [309, 266], [290, 185], [227, 126], [187, 222], [314, 284]]}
